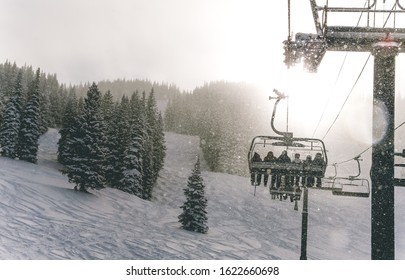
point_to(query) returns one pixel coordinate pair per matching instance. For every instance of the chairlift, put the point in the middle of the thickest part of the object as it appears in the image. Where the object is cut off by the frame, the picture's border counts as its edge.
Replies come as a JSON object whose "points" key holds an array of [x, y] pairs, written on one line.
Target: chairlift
{"points": [[352, 185], [290, 146], [303, 146]]}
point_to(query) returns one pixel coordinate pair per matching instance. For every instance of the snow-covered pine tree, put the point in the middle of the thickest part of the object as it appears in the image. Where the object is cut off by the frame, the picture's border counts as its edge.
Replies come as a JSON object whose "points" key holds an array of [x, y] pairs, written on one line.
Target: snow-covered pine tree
{"points": [[155, 134], [10, 126], [55, 98], [71, 148], [194, 216], [159, 144], [112, 155], [69, 125], [86, 167], [132, 172], [44, 105], [8, 76], [118, 140], [1, 107], [131, 175], [110, 113], [147, 153], [30, 124], [108, 107]]}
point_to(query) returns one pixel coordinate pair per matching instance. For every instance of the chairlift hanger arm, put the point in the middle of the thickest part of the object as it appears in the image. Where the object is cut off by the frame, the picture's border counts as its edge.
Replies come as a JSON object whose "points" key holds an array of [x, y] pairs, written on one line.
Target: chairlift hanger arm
{"points": [[280, 96], [357, 159], [335, 169]]}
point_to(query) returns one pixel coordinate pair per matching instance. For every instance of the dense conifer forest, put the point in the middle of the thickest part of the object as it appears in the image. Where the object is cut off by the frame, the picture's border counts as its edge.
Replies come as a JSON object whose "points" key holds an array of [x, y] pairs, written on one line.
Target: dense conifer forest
{"points": [[106, 139], [224, 115]]}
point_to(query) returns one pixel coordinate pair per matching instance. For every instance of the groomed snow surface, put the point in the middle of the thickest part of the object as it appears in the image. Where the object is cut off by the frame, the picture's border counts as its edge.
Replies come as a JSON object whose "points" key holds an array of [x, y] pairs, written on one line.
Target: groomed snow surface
{"points": [[42, 217]]}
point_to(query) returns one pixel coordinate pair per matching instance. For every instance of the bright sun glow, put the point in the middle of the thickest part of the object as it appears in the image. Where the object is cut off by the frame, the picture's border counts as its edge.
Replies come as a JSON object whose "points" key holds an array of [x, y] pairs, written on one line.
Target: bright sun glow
{"points": [[307, 97], [307, 94], [315, 99], [253, 52], [256, 56]]}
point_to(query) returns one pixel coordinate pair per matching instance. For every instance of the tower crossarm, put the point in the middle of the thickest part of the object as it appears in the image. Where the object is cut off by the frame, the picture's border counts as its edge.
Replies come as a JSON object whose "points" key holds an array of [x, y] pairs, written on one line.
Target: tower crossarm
{"points": [[361, 39], [311, 47]]}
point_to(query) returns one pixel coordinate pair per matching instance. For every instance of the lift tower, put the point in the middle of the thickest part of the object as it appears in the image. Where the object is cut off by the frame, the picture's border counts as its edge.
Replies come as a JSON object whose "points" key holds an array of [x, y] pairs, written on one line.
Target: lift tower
{"points": [[384, 43]]}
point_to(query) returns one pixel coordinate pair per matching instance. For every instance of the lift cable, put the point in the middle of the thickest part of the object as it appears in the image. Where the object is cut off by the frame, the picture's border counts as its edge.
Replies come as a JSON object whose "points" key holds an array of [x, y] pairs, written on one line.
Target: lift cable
{"points": [[358, 155], [347, 97], [355, 83], [400, 125], [336, 80], [329, 97]]}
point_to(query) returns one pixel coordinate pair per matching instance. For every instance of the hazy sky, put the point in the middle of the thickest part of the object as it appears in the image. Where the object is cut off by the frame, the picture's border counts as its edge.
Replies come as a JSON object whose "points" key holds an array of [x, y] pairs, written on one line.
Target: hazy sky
{"points": [[185, 42]]}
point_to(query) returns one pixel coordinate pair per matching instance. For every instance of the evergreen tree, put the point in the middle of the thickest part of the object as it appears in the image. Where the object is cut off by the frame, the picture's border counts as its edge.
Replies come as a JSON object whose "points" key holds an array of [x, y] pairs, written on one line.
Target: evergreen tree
{"points": [[8, 73], [86, 167], [107, 107], [55, 107], [30, 124], [132, 173], [131, 179], [44, 107], [118, 141], [194, 216], [69, 126], [148, 173], [159, 144], [1, 107], [10, 126], [110, 111], [156, 136], [62, 99]]}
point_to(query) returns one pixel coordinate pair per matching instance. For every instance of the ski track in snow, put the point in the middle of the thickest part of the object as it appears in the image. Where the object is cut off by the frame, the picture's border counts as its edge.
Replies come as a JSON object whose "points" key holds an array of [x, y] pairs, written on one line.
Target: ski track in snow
{"points": [[42, 217]]}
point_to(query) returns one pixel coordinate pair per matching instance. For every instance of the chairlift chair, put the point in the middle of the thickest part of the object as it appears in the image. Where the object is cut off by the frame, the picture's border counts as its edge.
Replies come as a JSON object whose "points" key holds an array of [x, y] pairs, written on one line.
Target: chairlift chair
{"points": [[352, 185], [276, 144], [292, 145], [355, 187]]}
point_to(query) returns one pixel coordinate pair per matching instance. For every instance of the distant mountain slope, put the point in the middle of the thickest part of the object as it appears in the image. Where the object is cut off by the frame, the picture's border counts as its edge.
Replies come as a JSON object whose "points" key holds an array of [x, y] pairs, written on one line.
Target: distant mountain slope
{"points": [[41, 217]]}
